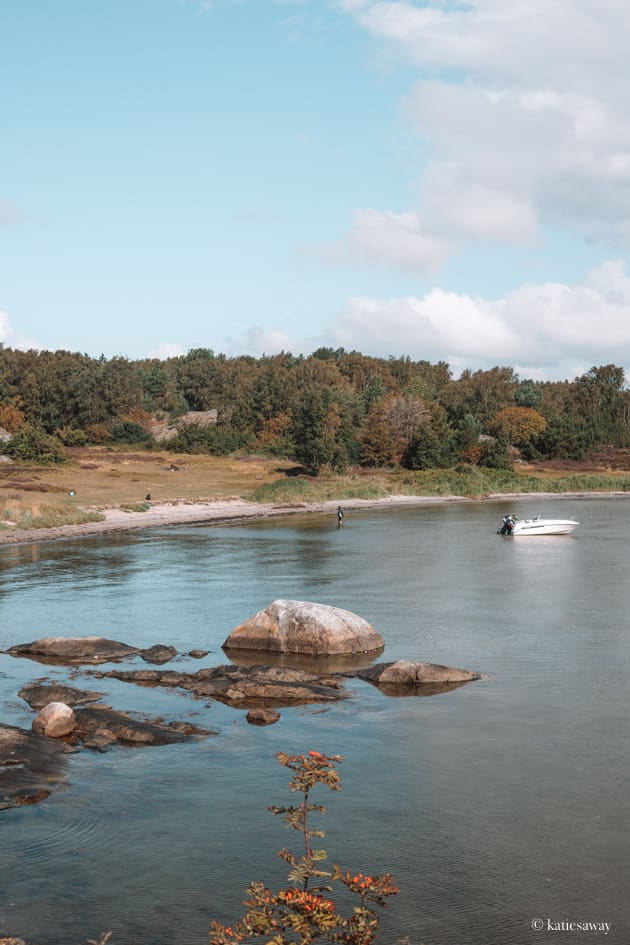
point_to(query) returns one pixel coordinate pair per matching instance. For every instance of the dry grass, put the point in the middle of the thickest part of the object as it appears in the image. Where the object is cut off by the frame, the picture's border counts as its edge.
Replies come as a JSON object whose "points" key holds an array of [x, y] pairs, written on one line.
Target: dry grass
{"points": [[102, 479]]}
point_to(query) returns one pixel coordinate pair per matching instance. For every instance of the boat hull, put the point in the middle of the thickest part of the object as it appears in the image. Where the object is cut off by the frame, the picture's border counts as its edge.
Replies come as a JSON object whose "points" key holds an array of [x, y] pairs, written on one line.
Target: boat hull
{"points": [[543, 526]]}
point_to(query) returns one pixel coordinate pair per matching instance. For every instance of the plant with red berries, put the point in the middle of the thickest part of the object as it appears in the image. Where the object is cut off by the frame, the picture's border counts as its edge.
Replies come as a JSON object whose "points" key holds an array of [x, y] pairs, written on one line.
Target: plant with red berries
{"points": [[300, 915]]}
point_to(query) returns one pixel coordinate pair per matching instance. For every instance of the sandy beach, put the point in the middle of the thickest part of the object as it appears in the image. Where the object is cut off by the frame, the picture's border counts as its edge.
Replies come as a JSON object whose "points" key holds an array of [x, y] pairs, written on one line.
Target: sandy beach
{"points": [[161, 514]]}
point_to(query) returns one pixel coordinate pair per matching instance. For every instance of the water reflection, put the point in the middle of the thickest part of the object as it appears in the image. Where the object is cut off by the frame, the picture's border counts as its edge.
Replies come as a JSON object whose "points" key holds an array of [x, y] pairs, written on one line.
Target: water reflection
{"points": [[498, 800], [317, 665]]}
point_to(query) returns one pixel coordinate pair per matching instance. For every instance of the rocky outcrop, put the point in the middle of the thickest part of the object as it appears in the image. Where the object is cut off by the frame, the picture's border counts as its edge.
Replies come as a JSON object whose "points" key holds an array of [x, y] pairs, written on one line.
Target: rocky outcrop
{"points": [[40, 694], [74, 650], [159, 653], [293, 626], [243, 686], [413, 677], [95, 721], [55, 720], [30, 765], [198, 654]]}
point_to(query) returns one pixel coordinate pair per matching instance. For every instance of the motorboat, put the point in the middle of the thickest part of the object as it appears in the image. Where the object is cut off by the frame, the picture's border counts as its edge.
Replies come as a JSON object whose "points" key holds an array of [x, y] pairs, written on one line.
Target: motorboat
{"points": [[511, 525]]}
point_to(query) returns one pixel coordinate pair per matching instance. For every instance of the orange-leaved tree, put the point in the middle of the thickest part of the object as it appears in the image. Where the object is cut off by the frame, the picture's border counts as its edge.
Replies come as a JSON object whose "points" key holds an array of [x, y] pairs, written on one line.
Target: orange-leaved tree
{"points": [[304, 913], [518, 424]]}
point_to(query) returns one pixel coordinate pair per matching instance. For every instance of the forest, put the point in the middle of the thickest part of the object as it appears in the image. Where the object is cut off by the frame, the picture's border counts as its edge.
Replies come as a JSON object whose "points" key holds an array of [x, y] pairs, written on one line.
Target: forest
{"points": [[333, 409]]}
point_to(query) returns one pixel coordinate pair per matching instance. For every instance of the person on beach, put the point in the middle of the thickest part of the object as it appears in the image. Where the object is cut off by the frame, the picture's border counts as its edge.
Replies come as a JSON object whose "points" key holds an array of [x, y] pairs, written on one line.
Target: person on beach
{"points": [[339, 516]]}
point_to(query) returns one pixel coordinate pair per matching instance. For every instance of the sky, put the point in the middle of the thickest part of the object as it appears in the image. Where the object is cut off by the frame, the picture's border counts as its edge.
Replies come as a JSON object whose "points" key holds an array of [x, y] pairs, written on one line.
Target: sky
{"points": [[440, 179]]}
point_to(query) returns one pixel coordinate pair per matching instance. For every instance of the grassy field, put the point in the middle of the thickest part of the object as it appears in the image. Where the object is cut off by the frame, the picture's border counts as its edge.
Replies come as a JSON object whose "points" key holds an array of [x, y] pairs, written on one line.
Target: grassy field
{"points": [[96, 478]]}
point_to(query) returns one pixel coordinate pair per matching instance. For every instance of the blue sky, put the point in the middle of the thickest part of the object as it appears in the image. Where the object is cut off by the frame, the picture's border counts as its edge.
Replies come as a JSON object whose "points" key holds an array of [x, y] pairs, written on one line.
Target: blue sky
{"points": [[445, 180]]}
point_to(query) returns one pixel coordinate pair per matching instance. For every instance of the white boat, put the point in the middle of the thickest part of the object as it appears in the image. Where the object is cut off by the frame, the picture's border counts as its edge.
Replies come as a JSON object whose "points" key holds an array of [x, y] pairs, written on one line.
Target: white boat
{"points": [[536, 526]]}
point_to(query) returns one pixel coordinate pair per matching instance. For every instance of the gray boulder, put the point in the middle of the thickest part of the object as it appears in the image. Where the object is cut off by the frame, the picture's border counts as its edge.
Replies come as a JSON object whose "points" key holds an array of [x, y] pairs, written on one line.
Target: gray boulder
{"points": [[293, 626], [55, 720], [73, 650], [404, 677]]}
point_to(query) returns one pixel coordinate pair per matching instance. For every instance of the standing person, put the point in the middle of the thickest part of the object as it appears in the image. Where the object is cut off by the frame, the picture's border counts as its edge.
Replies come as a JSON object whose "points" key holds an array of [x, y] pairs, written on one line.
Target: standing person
{"points": [[339, 516]]}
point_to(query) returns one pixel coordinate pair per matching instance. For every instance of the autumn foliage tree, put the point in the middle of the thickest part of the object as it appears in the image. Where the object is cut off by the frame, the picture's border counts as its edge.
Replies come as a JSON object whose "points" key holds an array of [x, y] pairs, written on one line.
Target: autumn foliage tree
{"points": [[517, 424]]}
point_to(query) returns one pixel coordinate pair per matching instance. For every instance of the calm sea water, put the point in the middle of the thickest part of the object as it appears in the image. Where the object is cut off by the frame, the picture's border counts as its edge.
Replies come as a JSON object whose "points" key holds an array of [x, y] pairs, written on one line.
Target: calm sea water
{"points": [[499, 803]]}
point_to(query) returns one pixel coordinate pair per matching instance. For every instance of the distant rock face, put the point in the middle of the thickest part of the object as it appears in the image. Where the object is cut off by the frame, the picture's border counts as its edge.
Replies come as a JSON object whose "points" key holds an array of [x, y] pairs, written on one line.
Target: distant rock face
{"points": [[294, 626], [74, 650], [414, 673], [55, 720]]}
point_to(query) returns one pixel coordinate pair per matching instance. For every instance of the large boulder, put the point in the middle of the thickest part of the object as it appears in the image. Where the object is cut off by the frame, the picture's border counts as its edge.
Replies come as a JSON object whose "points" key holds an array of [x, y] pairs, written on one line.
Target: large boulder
{"points": [[72, 650], [55, 720], [295, 626]]}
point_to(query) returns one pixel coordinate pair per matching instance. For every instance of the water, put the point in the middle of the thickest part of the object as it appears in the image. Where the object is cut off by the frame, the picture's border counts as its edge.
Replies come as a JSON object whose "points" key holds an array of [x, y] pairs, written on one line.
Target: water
{"points": [[493, 805]]}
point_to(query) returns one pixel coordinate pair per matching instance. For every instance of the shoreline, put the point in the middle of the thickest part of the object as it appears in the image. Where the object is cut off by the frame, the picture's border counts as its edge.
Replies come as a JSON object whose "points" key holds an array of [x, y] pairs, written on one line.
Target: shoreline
{"points": [[220, 511]]}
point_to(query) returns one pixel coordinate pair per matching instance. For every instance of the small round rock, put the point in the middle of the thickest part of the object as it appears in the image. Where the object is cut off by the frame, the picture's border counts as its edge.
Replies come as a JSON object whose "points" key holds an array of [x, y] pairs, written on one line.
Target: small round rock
{"points": [[55, 720]]}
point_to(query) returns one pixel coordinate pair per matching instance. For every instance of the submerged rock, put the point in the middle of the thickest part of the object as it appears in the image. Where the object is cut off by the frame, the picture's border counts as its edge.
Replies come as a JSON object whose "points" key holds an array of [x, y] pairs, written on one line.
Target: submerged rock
{"points": [[72, 650], [93, 721], [30, 765], [243, 686], [55, 720], [40, 694], [293, 626], [198, 654]]}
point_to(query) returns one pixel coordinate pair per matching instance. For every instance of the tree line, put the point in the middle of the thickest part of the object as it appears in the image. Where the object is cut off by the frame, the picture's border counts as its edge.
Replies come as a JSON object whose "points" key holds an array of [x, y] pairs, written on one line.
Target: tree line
{"points": [[331, 409]]}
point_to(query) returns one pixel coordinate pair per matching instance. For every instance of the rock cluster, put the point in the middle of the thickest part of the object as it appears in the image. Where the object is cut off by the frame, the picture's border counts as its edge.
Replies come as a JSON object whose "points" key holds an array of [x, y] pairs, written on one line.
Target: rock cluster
{"points": [[288, 630], [243, 686]]}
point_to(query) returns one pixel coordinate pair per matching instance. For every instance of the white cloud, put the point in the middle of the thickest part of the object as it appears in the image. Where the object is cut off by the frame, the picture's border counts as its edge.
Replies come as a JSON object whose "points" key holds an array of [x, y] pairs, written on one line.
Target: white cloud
{"points": [[522, 111], [546, 329], [12, 338], [396, 239], [166, 350], [258, 341]]}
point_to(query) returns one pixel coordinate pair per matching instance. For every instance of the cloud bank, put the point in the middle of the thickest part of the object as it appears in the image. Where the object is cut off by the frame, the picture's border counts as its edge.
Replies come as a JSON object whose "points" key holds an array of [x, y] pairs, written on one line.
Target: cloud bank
{"points": [[550, 330], [522, 109]]}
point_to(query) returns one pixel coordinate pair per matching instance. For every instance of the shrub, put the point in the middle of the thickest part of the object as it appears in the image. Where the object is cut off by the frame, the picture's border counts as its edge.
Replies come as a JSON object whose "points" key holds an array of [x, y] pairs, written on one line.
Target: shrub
{"points": [[32, 444], [299, 914], [127, 431]]}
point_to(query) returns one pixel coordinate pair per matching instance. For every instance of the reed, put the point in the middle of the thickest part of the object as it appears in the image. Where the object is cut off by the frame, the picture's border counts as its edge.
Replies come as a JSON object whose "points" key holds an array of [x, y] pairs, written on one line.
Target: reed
{"points": [[468, 481], [35, 515]]}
